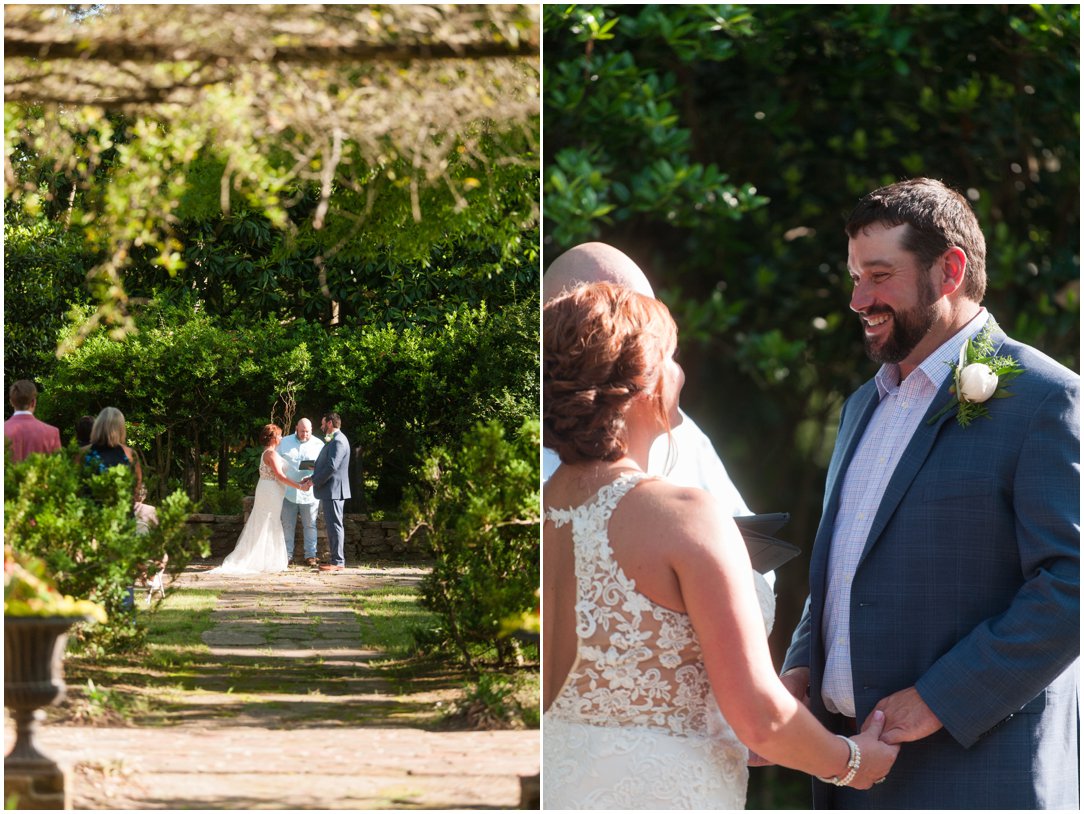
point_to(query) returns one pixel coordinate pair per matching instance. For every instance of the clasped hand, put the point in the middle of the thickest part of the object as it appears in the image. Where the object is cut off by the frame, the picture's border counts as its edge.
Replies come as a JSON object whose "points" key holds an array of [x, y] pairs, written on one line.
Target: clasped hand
{"points": [[306, 484], [877, 756], [900, 717], [907, 717]]}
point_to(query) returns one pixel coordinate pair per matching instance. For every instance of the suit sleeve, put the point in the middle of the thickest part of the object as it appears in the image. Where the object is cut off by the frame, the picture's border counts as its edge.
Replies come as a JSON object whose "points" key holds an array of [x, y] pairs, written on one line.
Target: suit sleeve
{"points": [[798, 652], [1009, 659]]}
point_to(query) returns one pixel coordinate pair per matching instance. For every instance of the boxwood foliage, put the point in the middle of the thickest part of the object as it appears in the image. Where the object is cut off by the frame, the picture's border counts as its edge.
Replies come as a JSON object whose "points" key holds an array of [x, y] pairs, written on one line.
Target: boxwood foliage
{"points": [[195, 388], [80, 524], [478, 504]]}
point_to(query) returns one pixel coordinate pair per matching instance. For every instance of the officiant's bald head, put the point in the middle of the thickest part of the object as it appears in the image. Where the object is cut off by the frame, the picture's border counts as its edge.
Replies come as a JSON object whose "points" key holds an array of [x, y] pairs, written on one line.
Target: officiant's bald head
{"points": [[593, 263]]}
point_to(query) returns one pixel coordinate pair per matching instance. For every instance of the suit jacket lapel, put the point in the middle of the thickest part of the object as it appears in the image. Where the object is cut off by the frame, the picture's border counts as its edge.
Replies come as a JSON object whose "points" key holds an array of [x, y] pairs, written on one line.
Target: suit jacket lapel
{"points": [[859, 411], [918, 450]]}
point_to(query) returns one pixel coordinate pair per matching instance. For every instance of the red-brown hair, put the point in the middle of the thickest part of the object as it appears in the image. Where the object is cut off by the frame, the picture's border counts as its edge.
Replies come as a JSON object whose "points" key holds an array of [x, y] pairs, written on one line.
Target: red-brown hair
{"points": [[268, 432], [602, 345]]}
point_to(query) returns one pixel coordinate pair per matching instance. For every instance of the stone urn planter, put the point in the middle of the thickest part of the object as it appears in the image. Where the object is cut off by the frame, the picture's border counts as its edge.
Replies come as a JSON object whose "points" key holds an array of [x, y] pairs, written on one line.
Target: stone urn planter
{"points": [[33, 678], [37, 618]]}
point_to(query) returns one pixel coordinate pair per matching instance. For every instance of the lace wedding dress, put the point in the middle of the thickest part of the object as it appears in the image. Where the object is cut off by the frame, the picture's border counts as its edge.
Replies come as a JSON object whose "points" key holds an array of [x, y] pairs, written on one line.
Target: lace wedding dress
{"points": [[262, 545], [635, 725]]}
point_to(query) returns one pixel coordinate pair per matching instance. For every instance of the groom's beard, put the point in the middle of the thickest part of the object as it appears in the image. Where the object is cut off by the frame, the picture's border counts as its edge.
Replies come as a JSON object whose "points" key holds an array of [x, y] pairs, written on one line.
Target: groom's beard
{"points": [[908, 328]]}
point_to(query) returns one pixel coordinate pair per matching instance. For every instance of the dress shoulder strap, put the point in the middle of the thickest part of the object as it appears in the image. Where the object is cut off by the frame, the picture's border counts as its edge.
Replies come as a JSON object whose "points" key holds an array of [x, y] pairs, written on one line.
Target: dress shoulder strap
{"points": [[602, 503]]}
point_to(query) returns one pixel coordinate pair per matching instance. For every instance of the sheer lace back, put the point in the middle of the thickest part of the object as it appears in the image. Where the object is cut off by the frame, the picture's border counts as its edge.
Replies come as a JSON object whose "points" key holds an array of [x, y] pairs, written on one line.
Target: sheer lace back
{"points": [[636, 725], [266, 472], [637, 663]]}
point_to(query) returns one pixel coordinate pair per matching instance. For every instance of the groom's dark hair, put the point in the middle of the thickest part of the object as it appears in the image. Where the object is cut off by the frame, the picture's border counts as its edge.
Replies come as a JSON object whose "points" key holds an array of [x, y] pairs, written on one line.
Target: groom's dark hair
{"points": [[336, 422], [938, 218]]}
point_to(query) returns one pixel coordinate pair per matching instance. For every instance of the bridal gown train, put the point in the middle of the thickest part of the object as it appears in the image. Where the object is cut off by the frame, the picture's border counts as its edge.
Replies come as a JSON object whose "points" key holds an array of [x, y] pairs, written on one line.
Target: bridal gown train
{"points": [[635, 725], [262, 545]]}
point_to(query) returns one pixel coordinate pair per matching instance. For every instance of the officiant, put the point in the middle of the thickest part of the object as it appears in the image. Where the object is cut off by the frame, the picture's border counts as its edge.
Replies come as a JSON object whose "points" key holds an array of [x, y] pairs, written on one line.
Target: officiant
{"points": [[299, 452]]}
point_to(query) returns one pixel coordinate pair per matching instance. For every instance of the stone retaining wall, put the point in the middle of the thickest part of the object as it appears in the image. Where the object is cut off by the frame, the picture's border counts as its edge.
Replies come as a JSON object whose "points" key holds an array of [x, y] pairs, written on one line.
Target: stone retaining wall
{"points": [[365, 539]]}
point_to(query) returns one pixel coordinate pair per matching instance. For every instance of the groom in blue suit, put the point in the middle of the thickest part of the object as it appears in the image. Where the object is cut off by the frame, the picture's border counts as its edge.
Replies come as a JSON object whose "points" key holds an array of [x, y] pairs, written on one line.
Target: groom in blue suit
{"points": [[944, 579], [331, 486]]}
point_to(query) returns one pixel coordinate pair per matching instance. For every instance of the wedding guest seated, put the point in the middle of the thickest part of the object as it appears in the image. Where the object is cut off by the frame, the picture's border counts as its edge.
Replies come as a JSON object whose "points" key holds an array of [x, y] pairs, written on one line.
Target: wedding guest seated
{"points": [[108, 446], [82, 430], [107, 449], [24, 433]]}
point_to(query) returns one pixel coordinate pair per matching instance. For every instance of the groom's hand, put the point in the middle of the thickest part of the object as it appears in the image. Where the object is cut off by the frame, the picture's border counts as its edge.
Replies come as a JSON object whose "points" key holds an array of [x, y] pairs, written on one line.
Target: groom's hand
{"points": [[907, 718]]}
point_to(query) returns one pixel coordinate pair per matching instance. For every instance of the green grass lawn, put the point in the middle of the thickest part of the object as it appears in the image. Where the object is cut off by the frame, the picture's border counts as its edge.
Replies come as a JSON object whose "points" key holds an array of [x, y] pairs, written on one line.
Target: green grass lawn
{"points": [[389, 616], [177, 678]]}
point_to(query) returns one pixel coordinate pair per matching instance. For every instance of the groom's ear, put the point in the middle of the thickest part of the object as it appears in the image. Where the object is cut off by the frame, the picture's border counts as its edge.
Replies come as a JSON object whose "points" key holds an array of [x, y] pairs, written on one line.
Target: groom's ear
{"points": [[951, 268]]}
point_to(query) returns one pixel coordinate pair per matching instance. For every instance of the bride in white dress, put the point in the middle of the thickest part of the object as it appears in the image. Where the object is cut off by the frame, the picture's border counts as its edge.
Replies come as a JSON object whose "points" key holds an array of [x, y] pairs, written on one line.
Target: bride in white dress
{"points": [[657, 678], [262, 546]]}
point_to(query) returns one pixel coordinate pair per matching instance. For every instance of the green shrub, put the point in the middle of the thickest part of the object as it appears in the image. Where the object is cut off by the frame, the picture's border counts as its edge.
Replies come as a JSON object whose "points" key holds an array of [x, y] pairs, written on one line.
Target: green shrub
{"points": [[81, 525], [45, 268], [194, 389], [479, 507], [498, 701], [222, 500]]}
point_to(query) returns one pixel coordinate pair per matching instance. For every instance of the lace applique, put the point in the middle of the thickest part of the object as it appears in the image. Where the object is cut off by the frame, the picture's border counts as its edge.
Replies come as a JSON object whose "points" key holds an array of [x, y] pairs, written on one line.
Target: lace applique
{"points": [[638, 663], [266, 472], [631, 768]]}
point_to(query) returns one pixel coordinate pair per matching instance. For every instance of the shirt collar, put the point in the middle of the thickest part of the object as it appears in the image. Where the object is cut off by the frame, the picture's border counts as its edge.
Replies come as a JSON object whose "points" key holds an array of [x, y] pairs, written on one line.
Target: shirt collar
{"points": [[21, 412], [935, 367]]}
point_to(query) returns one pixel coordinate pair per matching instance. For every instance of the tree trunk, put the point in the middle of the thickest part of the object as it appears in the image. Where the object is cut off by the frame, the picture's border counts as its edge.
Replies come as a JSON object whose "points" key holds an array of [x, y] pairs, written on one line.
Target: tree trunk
{"points": [[223, 464], [192, 476]]}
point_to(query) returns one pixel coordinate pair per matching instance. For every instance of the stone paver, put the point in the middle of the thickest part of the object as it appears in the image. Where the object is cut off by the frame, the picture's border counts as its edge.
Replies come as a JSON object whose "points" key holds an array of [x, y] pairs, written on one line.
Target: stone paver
{"points": [[311, 768], [332, 743]]}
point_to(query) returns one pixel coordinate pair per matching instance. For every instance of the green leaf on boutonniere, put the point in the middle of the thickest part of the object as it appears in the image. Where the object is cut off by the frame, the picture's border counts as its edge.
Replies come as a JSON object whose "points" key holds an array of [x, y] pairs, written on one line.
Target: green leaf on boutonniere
{"points": [[986, 380]]}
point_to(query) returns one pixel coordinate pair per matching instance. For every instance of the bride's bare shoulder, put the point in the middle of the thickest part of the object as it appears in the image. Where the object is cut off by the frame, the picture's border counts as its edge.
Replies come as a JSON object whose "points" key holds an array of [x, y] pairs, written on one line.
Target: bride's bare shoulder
{"points": [[660, 494], [684, 511]]}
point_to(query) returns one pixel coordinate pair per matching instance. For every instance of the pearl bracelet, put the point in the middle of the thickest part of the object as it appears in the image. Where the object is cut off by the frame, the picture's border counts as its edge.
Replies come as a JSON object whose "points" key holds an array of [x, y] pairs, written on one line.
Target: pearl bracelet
{"points": [[853, 765]]}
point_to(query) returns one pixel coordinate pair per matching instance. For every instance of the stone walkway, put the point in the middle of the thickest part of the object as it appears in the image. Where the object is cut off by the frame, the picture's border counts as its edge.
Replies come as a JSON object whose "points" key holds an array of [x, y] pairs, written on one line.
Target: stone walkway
{"points": [[263, 733]]}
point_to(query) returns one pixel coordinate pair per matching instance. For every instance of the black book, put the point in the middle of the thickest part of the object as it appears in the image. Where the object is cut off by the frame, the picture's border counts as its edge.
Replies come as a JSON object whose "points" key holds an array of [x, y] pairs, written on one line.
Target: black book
{"points": [[766, 551]]}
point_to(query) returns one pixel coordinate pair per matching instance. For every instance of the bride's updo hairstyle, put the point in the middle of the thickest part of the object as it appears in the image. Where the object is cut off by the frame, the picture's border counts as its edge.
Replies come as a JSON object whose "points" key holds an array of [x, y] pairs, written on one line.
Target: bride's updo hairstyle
{"points": [[602, 345], [268, 433]]}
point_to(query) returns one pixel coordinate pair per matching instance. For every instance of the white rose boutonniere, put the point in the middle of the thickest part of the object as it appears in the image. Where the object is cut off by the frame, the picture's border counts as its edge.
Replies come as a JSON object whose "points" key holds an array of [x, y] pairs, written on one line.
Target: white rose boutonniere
{"points": [[978, 376], [977, 383]]}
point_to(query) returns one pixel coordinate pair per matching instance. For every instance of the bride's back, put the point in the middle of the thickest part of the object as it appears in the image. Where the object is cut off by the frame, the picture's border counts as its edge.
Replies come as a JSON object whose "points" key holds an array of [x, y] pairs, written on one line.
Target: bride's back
{"points": [[643, 532]]}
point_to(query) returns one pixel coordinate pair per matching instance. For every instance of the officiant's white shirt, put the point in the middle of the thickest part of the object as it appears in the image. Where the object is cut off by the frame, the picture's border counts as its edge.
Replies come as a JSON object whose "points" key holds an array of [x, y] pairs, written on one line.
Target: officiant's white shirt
{"points": [[695, 464]]}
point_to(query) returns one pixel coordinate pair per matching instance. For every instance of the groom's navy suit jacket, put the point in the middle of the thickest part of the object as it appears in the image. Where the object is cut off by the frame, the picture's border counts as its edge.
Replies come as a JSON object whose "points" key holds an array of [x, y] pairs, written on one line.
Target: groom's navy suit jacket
{"points": [[968, 588], [330, 475]]}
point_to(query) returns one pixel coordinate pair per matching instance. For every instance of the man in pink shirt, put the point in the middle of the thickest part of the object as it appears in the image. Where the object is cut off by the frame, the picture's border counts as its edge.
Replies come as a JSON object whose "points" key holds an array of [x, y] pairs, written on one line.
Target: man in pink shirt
{"points": [[24, 433]]}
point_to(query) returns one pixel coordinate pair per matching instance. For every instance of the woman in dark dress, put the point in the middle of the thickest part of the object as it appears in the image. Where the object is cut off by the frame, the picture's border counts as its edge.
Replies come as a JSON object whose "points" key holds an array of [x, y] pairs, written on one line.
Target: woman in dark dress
{"points": [[108, 448]]}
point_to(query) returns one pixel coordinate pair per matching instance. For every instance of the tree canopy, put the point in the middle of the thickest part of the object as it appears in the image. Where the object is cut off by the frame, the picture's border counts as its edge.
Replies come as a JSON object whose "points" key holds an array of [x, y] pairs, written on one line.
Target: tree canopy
{"points": [[283, 210], [354, 131]]}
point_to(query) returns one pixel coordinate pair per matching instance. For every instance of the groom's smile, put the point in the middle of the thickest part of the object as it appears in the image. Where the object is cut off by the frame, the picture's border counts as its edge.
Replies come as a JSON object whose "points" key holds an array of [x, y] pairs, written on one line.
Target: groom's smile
{"points": [[876, 324], [894, 297]]}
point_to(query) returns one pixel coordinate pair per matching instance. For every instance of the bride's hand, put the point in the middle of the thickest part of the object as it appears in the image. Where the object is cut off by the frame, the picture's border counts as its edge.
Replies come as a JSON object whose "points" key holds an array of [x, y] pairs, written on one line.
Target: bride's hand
{"points": [[877, 757]]}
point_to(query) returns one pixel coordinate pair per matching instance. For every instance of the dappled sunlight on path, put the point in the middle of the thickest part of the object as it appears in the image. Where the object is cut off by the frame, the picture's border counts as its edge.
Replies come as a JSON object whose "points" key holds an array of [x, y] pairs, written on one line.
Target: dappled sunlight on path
{"points": [[288, 707]]}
